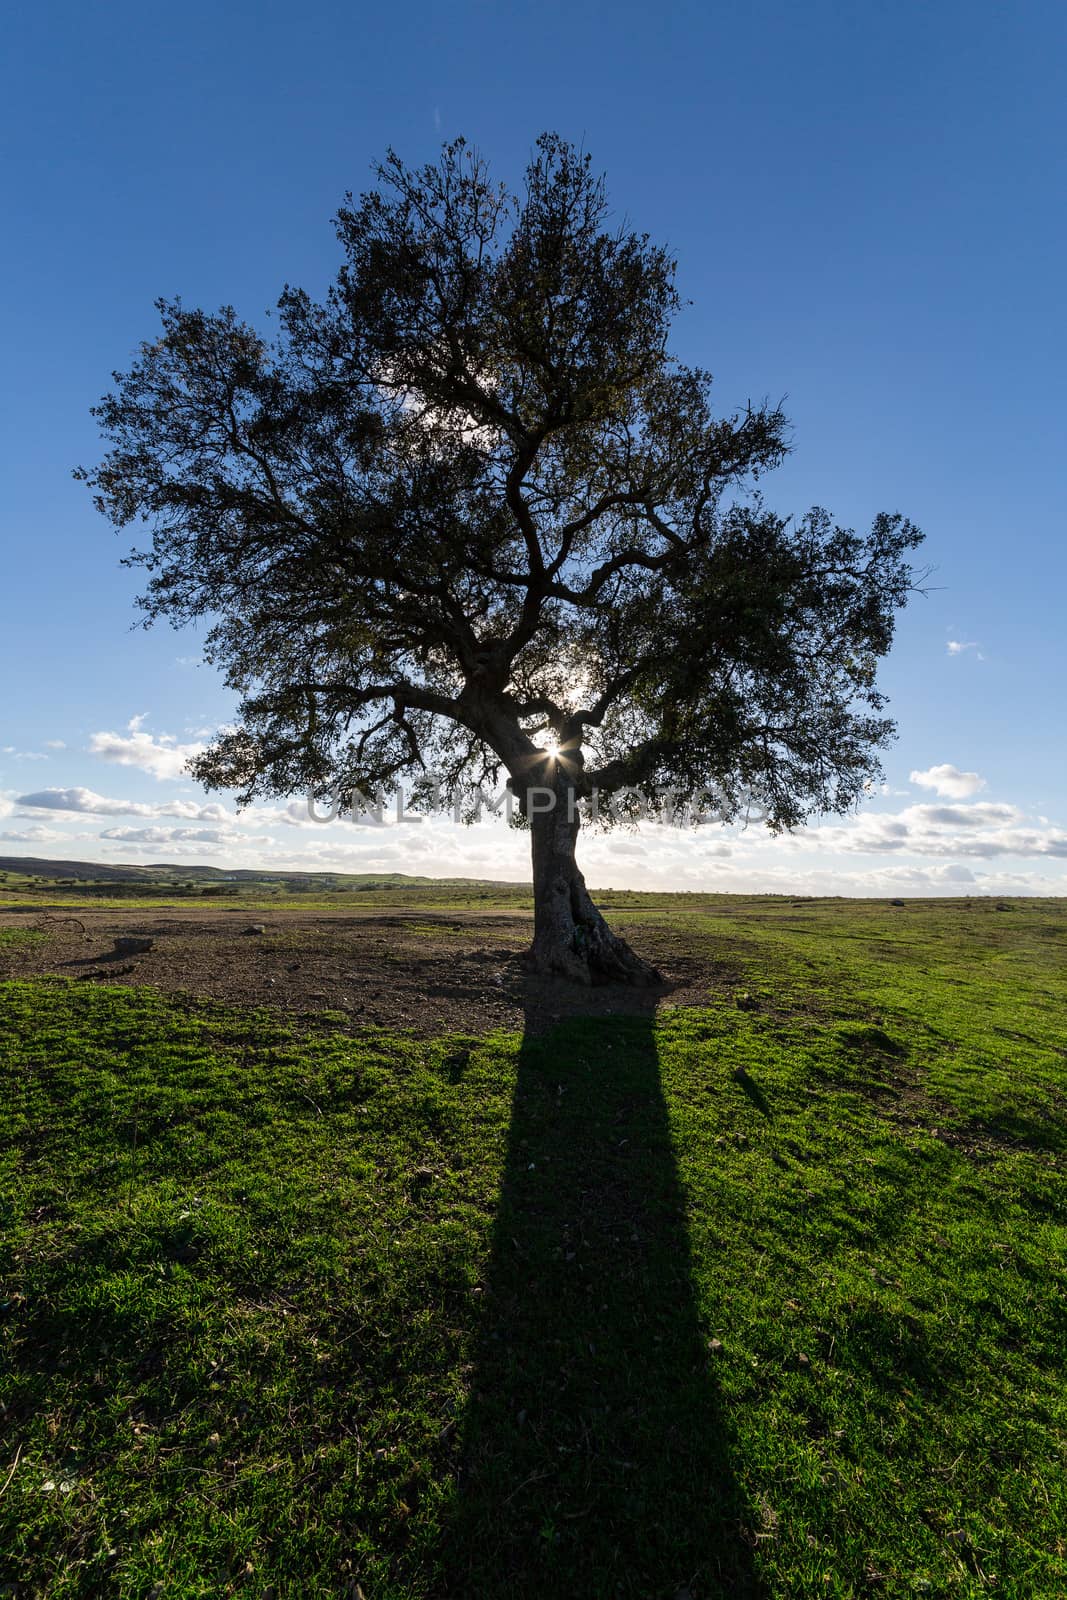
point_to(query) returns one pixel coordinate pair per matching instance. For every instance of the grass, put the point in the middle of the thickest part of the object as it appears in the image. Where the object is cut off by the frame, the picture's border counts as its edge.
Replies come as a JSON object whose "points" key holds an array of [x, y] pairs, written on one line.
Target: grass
{"points": [[766, 1298], [16, 938]]}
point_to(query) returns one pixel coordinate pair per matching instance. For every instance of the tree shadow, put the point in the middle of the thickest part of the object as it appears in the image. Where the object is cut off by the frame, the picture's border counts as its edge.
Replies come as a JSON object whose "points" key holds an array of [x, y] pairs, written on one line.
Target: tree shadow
{"points": [[594, 1456]]}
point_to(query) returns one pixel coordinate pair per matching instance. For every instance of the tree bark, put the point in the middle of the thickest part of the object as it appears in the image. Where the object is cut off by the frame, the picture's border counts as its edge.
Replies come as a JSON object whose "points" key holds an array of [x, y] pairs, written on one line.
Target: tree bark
{"points": [[571, 938]]}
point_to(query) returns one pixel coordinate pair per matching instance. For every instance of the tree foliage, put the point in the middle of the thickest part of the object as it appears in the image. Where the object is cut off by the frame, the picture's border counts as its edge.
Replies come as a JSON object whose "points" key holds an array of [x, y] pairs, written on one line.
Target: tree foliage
{"points": [[472, 498]]}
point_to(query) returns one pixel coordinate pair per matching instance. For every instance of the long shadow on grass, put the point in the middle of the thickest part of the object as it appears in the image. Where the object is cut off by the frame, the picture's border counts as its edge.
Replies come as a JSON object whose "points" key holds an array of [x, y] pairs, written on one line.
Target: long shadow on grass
{"points": [[594, 1454]]}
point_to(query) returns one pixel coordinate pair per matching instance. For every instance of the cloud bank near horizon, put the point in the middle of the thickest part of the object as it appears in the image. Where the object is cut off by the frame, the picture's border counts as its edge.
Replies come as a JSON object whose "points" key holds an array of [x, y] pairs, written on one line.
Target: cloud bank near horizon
{"points": [[957, 843]]}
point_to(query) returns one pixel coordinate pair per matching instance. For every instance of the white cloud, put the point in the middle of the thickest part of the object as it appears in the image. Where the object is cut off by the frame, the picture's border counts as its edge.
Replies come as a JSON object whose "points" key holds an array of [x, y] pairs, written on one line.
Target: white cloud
{"points": [[86, 801], [156, 836], [56, 744], [978, 830], [161, 756], [213, 846], [948, 780], [960, 647], [33, 836], [980, 814]]}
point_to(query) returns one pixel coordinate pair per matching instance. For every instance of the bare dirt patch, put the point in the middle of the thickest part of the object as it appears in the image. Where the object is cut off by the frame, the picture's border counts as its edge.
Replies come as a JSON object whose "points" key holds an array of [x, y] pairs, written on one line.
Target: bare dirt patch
{"points": [[423, 971]]}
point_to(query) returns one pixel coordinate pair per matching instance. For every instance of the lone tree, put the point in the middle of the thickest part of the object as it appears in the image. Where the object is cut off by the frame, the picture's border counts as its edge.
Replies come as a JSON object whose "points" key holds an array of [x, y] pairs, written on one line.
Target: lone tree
{"points": [[469, 514]]}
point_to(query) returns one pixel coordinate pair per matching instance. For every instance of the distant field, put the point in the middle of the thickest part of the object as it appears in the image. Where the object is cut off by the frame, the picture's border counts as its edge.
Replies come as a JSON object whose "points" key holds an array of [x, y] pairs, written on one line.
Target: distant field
{"points": [[761, 1296], [29, 882]]}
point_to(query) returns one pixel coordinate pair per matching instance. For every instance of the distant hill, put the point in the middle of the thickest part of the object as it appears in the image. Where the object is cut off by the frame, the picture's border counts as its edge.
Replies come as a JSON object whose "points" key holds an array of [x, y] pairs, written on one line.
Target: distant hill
{"points": [[170, 873]]}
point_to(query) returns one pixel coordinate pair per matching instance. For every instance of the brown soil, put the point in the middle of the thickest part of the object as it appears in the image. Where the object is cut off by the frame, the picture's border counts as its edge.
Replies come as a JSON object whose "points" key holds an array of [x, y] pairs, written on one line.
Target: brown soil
{"points": [[424, 971]]}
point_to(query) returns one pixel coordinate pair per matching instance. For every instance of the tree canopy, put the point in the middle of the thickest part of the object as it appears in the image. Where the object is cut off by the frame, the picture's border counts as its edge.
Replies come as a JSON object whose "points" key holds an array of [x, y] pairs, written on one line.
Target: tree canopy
{"points": [[470, 512]]}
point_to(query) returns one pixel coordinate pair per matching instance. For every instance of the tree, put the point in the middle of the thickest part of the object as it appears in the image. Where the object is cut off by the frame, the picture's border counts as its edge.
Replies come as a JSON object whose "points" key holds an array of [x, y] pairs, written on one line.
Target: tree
{"points": [[469, 513]]}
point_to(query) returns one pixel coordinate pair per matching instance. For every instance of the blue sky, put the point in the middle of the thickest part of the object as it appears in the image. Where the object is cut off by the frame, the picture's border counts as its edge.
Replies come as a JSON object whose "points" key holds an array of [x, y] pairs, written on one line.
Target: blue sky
{"points": [[867, 207]]}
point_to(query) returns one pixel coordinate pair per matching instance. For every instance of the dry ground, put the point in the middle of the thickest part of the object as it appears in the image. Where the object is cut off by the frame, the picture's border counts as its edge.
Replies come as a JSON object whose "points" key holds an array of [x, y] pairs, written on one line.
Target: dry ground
{"points": [[423, 971]]}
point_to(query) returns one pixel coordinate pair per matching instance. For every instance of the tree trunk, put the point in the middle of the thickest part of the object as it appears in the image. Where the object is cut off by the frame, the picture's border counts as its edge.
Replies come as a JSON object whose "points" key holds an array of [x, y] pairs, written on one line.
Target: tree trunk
{"points": [[571, 938]]}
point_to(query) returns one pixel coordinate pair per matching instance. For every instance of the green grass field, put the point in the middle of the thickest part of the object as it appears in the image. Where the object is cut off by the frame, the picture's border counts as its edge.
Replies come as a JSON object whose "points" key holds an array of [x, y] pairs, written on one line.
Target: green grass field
{"points": [[762, 1299]]}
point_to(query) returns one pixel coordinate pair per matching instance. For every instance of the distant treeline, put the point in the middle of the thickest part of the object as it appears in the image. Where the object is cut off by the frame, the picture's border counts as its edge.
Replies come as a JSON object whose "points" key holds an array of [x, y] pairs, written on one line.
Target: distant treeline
{"points": [[129, 891], [170, 878]]}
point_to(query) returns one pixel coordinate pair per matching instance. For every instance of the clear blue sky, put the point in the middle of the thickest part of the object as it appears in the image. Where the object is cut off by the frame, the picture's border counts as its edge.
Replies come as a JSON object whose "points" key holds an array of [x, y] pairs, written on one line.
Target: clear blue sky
{"points": [[867, 205]]}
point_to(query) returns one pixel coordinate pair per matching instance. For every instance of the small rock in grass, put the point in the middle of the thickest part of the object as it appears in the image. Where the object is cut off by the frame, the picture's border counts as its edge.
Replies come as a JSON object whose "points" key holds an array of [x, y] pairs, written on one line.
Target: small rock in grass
{"points": [[257, 927], [803, 1361], [745, 1001], [130, 944], [715, 1346]]}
